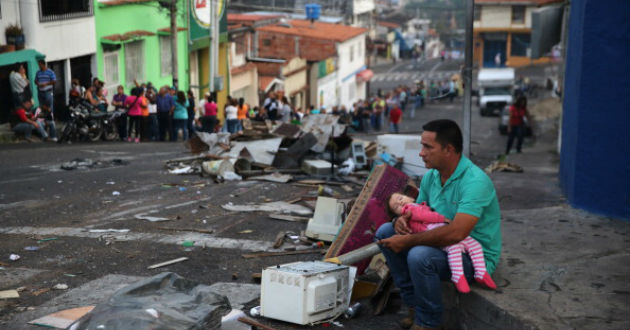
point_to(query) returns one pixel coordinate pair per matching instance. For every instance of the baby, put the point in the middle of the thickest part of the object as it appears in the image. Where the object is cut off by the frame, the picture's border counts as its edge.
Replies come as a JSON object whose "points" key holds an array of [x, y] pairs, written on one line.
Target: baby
{"points": [[423, 218]]}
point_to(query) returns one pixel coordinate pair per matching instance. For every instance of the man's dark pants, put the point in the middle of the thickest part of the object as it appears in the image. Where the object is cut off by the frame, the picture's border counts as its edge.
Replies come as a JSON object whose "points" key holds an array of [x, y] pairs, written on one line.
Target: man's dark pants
{"points": [[164, 124], [418, 274]]}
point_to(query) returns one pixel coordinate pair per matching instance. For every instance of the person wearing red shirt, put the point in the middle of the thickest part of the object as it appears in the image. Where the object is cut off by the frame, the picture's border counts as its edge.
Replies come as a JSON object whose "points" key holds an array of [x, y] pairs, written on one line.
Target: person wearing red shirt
{"points": [[516, 126], [395, 116], [23, 123]]}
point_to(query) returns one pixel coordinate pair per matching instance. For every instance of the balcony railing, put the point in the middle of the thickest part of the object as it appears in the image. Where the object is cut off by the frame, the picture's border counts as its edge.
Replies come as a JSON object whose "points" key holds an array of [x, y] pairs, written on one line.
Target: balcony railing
{"points": [[54, 10]]}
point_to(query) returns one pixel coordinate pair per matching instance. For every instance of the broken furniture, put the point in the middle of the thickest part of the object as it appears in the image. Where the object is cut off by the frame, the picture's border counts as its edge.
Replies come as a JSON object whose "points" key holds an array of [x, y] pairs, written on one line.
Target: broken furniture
{"points": [[368, 212]]}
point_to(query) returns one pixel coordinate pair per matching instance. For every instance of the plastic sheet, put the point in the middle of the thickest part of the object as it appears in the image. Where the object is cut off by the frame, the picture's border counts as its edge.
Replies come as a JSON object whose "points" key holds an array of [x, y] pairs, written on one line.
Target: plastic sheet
{"points": [[163, 302]]}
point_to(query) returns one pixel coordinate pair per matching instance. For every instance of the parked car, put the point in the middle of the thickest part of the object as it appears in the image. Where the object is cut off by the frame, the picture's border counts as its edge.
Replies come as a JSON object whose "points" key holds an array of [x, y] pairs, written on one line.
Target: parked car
{"points": [[504, 119]]}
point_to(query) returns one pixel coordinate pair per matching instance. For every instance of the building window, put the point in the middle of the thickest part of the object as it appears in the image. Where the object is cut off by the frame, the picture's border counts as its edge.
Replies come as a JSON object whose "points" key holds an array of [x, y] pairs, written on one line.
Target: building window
{"points": [[166, 58], [477, 13], [518, 14], [55, 10], [110, 72], [520, 44], [134, 62], [351, 53]]}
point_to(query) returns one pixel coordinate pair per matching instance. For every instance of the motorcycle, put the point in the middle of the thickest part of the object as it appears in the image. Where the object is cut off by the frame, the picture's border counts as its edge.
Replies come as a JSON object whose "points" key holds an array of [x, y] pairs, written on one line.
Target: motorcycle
{"points": [[110, 125], [86, 124]]}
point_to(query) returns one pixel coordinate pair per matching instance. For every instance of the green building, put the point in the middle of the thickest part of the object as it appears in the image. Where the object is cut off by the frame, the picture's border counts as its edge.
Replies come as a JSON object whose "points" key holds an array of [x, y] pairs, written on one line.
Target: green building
{"points": [[134, 42]]}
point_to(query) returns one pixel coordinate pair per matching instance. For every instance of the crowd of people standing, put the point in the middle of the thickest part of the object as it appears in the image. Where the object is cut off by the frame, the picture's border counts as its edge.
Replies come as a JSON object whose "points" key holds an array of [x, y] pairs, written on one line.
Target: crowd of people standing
{"points": [[149, 113]]}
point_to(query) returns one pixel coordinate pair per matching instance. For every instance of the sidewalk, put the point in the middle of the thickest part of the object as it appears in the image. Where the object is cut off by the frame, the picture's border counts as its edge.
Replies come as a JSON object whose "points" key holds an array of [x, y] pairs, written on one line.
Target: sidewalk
{"points": [[561, 268]]}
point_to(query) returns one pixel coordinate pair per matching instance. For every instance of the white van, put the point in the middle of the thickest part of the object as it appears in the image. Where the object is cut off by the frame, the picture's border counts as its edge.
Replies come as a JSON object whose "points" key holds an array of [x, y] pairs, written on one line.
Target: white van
{"points": [[496, 87]]}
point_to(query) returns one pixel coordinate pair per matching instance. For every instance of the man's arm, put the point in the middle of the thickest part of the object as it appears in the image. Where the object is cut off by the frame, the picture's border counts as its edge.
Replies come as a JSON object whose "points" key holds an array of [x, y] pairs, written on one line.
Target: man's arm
{"points": [[459, 229]]}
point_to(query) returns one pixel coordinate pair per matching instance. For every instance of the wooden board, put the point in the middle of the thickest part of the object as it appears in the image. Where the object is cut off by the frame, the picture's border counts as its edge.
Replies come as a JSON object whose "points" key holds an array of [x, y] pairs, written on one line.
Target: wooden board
{"points": [[368, 212], [62, 319]]}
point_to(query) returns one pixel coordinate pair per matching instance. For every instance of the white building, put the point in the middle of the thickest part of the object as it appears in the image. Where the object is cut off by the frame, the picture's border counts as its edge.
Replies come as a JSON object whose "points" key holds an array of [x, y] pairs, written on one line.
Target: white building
{"points": [[351, 64], [63, 31]]}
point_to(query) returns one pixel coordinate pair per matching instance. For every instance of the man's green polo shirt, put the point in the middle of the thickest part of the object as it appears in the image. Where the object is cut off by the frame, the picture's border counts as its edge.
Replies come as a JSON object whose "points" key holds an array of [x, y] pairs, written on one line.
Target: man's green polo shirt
{"points": [[469, 190]]}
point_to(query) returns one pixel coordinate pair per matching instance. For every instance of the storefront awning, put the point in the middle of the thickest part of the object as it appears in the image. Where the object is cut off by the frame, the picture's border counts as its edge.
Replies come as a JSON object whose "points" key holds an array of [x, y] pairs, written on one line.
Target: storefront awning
{"points": [[365, 75], [19, 56]]}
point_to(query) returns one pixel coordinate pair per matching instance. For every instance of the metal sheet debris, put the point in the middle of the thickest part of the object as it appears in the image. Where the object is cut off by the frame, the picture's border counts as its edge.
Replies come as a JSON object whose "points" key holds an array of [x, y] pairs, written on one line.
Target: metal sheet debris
{"points": [[262, 151], [323, 126]]}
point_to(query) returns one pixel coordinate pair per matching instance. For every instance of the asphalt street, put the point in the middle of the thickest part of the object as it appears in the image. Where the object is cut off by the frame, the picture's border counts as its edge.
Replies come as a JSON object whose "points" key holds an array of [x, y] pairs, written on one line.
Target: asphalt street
{"points": [[407, 72], [40, 201]]}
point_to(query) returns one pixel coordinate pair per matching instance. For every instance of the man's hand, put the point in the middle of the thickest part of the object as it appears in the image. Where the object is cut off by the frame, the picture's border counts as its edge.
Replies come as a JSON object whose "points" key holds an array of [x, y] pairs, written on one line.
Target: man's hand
{"points": [[401, 226], [396, 243]]}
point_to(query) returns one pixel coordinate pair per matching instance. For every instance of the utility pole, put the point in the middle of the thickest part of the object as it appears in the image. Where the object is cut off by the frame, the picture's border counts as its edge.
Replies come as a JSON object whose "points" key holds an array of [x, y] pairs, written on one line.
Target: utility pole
{"points": [[173, 14], [211, 47], [468, 75]]}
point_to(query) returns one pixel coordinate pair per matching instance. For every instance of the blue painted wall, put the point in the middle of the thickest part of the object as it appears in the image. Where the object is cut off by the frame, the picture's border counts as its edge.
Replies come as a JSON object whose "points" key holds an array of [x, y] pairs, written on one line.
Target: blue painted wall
{"points": [[595, 155]]}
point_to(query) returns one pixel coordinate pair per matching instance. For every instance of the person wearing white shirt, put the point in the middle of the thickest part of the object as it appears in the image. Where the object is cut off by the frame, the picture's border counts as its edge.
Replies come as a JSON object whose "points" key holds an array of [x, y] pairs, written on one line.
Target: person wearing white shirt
{"points": [[231, 117]]}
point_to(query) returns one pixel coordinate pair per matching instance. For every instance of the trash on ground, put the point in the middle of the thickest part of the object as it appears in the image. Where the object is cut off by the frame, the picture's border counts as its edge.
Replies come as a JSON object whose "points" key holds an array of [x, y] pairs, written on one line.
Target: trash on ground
{"points": [[326, 221], [217, 167], [9, 294], [347, 167], [165, 301], [274, 177], [287, 217], [14, 257], [188, 243], [40, 291], [253, 323], [502, 166], [318, 167], [231, 176], [280, 206], [60, 286], [203, 231], [182, 170], [62, 319], [262, 151], [143, 216], [31, 248], [166, 263], [246, 231], [255, 311], [279, 240], [47, 239], [86, 163], [115, 193], [230, 321], [110, 230]]}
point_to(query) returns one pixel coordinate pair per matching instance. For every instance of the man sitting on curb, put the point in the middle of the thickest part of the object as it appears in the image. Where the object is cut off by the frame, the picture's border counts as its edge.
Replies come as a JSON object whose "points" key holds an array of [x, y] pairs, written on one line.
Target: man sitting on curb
{"points": [[23, 123], [459, 190]]}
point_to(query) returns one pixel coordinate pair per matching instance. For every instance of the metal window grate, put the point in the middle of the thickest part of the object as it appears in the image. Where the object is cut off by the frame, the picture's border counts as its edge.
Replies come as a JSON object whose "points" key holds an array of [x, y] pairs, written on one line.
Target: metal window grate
{"points": [[55, 10]]}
